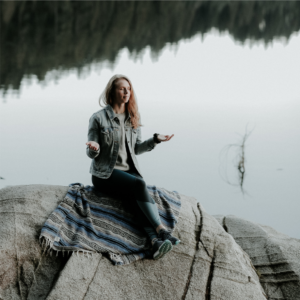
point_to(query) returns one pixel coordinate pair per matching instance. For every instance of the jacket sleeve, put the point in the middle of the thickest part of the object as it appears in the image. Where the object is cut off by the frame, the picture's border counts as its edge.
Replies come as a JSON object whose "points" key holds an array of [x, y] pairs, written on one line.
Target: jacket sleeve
{"points": [[93, 135], [141, 147]]}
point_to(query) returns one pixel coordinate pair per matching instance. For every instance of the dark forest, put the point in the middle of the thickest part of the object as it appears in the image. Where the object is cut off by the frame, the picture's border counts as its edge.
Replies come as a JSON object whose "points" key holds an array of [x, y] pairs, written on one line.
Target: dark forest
{"points": [[40, 36]]}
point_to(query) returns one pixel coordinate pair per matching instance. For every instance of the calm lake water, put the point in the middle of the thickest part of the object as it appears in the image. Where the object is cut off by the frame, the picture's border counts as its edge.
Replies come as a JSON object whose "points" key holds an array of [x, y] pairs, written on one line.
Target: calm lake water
{"points": [[207, 90]]}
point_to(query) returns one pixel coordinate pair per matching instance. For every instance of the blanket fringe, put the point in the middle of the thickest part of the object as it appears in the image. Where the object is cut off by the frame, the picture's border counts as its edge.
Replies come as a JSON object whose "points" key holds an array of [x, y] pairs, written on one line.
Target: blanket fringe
{"points": [[48, 248]]}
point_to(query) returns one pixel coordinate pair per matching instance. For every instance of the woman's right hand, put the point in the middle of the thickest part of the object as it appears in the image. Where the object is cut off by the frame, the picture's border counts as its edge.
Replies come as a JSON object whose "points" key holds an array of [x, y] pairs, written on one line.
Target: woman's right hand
{"points": [[93, 145]]}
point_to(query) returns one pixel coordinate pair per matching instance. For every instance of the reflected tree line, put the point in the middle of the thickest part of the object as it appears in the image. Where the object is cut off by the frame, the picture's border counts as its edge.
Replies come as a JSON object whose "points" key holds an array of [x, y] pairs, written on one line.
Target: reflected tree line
{"points": [[41, 36]]}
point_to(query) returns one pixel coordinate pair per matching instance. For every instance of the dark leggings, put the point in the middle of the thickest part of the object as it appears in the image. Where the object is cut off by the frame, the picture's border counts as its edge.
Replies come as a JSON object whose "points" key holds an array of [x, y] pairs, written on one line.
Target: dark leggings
{"points": [[130, 186]]}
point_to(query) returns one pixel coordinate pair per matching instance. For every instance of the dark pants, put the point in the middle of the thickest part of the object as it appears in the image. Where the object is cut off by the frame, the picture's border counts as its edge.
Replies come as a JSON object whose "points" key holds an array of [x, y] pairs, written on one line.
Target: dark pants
{"points": [[129, 186]]}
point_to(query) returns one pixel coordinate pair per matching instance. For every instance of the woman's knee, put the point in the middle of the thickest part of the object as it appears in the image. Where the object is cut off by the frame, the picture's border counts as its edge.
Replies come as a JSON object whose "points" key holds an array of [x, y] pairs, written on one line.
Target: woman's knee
{"points": [[141, 191], [140, 184]]}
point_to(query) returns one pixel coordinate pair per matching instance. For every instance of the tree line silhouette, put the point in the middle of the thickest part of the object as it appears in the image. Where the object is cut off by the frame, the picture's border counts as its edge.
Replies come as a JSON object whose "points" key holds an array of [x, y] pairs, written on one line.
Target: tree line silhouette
{"points": [[41, 36]]}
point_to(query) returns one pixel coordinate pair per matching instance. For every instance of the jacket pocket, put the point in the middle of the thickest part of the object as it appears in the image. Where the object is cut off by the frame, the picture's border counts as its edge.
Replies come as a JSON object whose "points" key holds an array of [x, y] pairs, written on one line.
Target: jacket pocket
{"points": [[106, 136]]}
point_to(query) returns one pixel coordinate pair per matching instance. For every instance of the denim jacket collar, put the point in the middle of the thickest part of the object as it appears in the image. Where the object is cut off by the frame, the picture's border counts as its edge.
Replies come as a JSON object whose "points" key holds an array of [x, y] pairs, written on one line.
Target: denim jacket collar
{"points": [[111, 113]]}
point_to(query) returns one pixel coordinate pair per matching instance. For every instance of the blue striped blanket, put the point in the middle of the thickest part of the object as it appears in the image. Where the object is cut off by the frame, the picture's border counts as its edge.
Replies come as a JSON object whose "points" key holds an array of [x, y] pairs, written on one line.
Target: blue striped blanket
{"points": [[87, 221]]}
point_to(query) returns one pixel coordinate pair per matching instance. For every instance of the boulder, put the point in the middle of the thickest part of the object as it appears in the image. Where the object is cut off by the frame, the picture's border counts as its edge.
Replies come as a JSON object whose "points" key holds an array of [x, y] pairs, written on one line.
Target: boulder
{"points": [[207, 264], [275, 256]]}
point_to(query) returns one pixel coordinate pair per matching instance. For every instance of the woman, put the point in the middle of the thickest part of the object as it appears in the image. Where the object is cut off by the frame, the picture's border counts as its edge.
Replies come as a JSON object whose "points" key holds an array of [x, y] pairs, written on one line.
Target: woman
{"points": [[114, 138]]}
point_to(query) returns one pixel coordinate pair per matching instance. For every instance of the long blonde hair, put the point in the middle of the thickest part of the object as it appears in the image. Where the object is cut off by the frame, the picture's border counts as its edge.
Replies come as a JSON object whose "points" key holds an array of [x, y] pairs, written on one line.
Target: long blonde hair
{"points": [[107, 98]]}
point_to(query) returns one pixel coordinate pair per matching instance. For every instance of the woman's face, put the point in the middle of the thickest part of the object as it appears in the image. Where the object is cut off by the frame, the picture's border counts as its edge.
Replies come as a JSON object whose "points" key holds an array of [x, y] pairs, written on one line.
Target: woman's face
{"points": [[122, 91]]}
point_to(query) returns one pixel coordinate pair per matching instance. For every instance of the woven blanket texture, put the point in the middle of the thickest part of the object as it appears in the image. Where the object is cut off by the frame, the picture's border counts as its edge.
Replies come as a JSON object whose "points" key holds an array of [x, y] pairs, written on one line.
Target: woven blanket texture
{"points": [[88, 221]]}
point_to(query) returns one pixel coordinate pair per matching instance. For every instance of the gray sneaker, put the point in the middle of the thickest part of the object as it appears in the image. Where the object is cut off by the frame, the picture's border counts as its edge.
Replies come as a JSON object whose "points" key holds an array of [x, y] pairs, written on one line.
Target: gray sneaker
{"points": [[161, 248]]}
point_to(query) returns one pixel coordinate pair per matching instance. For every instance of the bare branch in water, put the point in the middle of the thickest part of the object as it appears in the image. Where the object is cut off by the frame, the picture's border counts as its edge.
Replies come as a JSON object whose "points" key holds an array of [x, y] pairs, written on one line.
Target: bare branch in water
{"points": [[238, 161]]}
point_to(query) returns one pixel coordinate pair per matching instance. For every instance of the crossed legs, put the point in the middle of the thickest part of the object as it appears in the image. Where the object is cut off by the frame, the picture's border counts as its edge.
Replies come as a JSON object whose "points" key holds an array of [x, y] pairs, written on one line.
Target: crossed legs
{"points": [[131, 186]]}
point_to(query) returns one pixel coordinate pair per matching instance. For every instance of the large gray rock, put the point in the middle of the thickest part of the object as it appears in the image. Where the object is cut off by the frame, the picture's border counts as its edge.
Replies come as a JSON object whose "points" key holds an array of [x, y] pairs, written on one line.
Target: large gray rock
{"points": [[208, 264], [275, 256], [24, 272]]}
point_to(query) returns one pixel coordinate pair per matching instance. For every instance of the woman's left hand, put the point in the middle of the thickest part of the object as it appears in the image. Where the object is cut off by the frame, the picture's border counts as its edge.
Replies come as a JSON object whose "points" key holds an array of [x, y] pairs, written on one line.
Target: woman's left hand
{"points": [[164, 138]]}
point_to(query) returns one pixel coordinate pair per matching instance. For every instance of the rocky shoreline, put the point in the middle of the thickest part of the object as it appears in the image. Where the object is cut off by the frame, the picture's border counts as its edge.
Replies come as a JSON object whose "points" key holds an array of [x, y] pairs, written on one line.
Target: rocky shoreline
{"points": [[219, 258]]}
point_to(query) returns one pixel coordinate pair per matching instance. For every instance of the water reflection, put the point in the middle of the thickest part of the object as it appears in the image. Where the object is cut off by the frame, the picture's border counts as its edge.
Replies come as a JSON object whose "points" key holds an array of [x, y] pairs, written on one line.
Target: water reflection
{"points": [[41, 36], [238, 161]]}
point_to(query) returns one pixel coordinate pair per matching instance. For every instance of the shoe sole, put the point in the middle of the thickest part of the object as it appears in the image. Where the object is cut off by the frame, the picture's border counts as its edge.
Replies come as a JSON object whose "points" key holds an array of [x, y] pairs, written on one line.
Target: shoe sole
{"points": [[177, 243], [163, 250]]}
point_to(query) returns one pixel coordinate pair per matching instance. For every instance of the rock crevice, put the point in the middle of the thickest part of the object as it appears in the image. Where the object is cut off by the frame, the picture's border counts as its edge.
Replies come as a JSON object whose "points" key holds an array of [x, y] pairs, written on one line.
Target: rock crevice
{"points": [[209, 280]]}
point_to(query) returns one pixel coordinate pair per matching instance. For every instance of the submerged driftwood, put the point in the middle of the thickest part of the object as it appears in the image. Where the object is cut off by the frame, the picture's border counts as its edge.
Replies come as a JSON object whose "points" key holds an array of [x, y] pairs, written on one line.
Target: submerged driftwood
{"points": [[208, 264]]}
